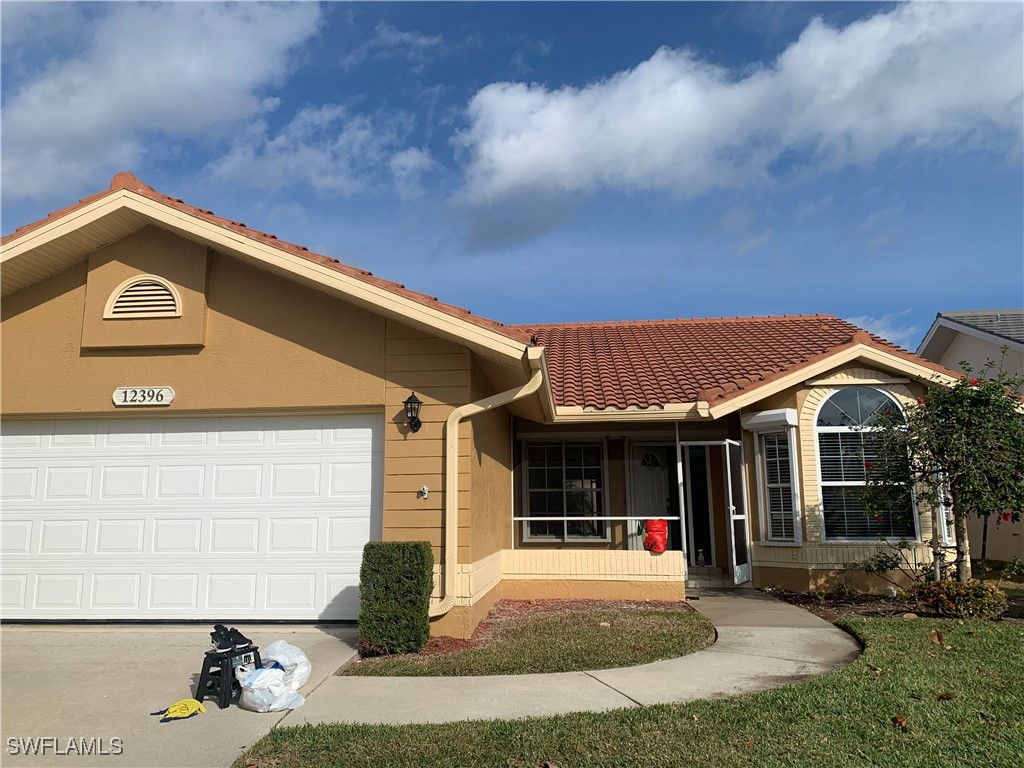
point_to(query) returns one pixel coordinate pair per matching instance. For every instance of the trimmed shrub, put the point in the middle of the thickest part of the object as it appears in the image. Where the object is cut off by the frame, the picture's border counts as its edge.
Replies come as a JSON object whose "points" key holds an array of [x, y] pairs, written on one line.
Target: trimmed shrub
{"points": [[395, 582], [971, 600]]}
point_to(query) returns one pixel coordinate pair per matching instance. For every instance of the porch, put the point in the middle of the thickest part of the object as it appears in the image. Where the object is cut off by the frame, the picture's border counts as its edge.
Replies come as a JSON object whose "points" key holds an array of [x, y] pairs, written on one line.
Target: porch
{"points": [[588, 492]]}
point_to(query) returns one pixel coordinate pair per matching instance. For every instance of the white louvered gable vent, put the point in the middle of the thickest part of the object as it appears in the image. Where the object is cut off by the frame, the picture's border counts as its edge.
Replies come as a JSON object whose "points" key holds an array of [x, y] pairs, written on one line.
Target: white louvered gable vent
{"points": [[143, 296]]}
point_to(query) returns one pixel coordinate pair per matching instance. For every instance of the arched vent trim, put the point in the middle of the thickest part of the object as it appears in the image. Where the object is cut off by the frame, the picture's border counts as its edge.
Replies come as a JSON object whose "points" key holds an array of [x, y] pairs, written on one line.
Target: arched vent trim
{"points": [[143, 296]]}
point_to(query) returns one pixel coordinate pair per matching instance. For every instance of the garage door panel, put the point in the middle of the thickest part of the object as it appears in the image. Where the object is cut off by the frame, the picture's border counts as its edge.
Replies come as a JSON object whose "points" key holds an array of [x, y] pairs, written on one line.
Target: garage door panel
{"points": [[13, 591], [68, 483], [233, 517], [235, 536], [126, 482], [15, 536], [116, 592], [180, 481], [18, 483], [120, 537]]}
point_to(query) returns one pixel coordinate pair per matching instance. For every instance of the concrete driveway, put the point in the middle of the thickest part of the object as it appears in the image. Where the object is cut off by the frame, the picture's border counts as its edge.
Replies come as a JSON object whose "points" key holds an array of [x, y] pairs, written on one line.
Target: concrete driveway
{"points": [[102, 682]]}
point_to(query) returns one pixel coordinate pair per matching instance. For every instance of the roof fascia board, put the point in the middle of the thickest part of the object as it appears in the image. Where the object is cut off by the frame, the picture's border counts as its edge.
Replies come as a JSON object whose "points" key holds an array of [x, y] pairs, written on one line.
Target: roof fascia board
{"points": [[970, 330], [669, 412], [72, 220], [818, 368], [936, 324], [538, 357], [493, 345]]}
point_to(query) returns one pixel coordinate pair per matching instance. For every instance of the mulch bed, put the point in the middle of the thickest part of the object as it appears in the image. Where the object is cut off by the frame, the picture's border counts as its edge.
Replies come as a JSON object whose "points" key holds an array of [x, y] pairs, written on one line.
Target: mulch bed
{"points": [[507, 613], [835, 607]]}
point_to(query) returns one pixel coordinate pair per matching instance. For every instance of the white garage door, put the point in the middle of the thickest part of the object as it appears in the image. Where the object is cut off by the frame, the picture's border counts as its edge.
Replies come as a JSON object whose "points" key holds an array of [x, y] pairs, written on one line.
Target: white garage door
{"points": [[220, 518]]}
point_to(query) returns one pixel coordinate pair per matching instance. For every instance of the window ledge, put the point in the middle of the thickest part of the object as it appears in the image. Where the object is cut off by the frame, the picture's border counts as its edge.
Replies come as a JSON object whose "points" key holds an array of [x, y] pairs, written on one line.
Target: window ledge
{"points": [[862, 542]]}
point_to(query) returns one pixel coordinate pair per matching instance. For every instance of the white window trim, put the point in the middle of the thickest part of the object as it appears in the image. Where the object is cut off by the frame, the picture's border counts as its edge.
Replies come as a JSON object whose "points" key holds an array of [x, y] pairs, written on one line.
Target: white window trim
{"points": [[108, 309], [794, 484], [817, 466], [525, 493]]}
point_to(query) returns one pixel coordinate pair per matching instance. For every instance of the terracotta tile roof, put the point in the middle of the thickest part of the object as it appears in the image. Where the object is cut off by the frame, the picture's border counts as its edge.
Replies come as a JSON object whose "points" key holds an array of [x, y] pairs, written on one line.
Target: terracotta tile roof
{"points": [[126, 180], [653, 363]]}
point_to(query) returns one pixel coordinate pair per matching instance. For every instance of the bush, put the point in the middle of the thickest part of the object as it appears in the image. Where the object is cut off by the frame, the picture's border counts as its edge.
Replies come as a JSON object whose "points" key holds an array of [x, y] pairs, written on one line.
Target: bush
{"points": [[973, 600], [395, 582]]}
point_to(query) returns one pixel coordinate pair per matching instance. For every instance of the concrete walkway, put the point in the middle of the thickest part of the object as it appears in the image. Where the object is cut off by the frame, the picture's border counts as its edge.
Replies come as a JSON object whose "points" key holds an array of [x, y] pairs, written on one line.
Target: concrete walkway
{"points": [[762, 643]]}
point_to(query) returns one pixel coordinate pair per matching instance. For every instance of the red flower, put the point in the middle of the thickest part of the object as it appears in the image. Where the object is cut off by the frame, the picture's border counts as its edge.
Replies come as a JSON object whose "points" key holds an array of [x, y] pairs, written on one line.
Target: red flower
{"points": [[1006, 517], [920, 400], [974, 382], [868, 465]]}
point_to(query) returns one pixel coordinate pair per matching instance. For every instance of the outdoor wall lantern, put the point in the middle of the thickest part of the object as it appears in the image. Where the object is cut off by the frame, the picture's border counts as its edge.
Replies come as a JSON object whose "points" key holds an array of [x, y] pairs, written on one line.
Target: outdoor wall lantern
{"points": [[412, 412]]}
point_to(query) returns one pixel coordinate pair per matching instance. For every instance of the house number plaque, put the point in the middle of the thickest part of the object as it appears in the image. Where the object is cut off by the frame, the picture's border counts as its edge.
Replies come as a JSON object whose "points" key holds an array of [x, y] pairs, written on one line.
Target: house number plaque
{"points": [[127, 396]]}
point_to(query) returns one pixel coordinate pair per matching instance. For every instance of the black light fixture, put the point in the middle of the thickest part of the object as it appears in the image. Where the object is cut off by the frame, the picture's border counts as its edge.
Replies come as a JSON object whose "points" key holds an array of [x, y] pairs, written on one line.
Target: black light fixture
{"points": [[412, 412]]}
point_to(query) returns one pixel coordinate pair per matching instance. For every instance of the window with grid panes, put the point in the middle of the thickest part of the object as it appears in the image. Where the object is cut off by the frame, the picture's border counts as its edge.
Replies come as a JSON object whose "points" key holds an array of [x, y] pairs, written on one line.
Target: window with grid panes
{"points": [[565, 480], [778, 490], [846, 451]]}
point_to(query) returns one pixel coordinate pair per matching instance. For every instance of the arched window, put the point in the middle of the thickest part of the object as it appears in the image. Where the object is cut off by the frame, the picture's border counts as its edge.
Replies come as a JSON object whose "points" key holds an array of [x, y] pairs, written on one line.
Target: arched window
{"points": [[143, 296], [846, 452]]}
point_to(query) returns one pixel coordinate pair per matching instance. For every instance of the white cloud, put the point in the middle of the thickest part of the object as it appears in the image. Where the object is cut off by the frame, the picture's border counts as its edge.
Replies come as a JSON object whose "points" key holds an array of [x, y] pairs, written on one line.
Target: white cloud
{"points": [[146, 74], [892, 326], [326, 147], [754, 242], [923, 75], [391, 43], [407, 168]]}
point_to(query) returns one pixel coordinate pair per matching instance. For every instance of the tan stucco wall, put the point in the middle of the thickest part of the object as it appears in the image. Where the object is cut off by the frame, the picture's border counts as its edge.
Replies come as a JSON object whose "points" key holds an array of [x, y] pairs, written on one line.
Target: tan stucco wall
{"points": [[151, 251], [438, 371], [270, 344], [1005, 540], [491, 470], [573, 589], [977, 352], [824, 579], [462, 620]]}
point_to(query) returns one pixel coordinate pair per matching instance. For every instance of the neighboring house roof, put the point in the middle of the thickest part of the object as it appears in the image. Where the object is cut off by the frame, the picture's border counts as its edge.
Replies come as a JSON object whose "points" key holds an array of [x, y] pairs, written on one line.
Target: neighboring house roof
{"points": [[1005, 323], [998, 326], [650, 364], [127, 181]]}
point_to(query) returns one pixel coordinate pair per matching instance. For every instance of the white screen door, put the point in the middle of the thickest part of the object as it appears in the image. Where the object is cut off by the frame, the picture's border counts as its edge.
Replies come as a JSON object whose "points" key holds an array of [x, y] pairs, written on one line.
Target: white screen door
{"points": [[736, 488]]}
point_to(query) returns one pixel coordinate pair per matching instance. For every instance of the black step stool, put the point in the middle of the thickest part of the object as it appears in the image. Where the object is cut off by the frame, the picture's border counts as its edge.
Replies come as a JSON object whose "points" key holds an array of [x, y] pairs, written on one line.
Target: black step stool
{"points": [[218, 675]]}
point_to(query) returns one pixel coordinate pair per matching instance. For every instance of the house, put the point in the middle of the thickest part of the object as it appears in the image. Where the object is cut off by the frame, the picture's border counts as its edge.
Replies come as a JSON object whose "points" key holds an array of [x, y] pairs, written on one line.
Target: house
{"points": [[976, 337], [201, 421]]}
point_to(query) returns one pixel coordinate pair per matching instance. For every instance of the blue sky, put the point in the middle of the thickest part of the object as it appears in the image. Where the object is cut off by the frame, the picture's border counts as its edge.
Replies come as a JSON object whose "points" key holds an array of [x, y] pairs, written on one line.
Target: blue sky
{"points": [[558, 162]]}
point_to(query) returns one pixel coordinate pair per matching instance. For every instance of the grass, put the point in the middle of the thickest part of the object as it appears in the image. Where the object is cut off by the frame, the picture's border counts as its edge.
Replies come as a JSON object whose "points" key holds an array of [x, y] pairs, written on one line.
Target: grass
{"points": [[842, 719], [562, 642]]}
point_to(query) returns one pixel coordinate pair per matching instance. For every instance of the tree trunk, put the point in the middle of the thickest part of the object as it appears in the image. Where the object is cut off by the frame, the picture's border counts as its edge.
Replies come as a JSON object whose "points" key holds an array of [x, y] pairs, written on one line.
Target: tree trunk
{"points": [[983, 565], [938, 555], [962, 552]]}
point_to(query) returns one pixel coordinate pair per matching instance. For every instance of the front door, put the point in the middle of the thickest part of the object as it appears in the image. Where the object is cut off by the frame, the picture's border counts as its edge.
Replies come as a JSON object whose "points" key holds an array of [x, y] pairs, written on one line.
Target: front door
{"points": [[651, 496]]}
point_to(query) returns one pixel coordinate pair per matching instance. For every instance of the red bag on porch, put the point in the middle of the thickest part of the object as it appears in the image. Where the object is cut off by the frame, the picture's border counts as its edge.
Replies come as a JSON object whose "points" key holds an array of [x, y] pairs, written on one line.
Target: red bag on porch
{"points": [[657, 536]]}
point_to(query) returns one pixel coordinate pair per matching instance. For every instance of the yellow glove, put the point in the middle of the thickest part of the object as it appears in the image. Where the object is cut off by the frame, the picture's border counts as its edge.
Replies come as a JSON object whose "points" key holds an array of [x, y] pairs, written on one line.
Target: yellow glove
{"points": [[180, 710]]}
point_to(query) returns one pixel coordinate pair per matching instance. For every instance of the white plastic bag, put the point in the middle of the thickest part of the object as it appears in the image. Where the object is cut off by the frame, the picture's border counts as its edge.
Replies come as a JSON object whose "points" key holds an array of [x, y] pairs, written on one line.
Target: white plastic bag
{"points": [[265, 691], [293, 661]]}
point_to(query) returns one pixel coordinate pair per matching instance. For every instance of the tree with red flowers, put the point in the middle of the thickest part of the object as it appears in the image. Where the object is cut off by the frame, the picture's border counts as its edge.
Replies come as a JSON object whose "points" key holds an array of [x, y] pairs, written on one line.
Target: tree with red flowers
{"points": [[962, 449]]}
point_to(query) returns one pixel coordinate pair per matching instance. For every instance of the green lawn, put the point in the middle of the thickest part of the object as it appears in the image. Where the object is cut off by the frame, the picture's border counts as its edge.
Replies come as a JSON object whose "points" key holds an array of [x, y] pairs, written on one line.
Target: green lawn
{"points": [[563, 642], [842, 719]]}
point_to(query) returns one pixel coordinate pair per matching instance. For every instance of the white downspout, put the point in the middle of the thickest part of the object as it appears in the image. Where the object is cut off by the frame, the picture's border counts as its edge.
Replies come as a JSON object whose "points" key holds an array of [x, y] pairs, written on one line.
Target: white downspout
{"points": [[451, 471]]}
